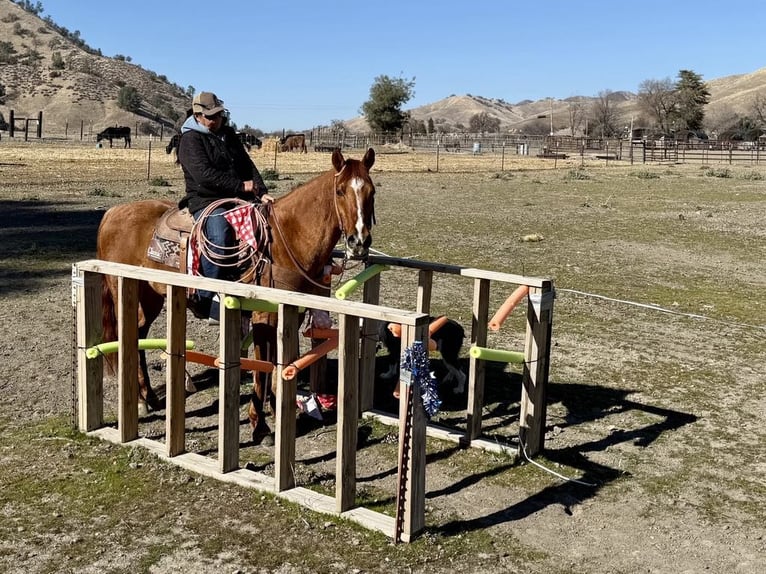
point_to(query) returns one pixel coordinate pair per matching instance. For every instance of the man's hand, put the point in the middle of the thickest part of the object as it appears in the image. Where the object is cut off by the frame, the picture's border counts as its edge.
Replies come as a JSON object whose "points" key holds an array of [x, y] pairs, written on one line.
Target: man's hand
{"points": [[266, 198]]}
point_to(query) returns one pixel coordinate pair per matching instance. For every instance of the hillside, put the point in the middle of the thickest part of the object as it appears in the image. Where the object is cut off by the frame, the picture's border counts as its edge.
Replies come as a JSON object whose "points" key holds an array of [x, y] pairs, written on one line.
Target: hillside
{"points": [[43, 69], [82, 87]]}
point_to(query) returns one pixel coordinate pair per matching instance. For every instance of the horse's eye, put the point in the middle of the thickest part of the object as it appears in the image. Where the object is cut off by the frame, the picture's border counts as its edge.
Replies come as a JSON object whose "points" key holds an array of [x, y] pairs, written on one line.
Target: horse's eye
{"points": [[339, 191]]}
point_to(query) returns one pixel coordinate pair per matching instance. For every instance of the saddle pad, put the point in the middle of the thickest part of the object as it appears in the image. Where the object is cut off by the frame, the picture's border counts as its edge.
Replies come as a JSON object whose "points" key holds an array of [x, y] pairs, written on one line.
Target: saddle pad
{"points": [[164, 251]]}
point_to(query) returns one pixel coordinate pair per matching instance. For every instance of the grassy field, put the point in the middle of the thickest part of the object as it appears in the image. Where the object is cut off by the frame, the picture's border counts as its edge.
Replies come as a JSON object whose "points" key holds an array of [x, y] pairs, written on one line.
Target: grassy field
{"points": [[655, 398]]}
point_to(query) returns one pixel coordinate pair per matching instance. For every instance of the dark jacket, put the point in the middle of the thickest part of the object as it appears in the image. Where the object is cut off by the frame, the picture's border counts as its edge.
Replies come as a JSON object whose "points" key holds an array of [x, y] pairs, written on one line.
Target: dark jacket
{"points": [[215, 166]]}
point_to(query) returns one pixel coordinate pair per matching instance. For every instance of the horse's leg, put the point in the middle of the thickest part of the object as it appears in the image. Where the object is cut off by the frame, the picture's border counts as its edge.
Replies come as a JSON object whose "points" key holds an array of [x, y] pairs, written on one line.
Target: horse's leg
{"points": [[263, 342], [150, 306]]}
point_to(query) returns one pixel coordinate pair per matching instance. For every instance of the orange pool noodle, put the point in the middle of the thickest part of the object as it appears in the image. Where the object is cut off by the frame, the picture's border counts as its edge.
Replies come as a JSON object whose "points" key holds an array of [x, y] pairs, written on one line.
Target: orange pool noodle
{"points": [[509, 305], [317, 333], [211, 361], [436, 324], [312, 356]]}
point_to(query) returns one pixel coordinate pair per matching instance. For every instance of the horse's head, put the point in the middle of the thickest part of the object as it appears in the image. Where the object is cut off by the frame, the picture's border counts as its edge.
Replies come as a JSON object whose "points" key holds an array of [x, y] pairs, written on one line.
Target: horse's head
{"points": [[355, 201]]}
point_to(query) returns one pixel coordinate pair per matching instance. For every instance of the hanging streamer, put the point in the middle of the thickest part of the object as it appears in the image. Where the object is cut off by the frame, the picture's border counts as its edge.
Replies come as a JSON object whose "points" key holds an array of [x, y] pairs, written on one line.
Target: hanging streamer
{"points": [[416, 361]]}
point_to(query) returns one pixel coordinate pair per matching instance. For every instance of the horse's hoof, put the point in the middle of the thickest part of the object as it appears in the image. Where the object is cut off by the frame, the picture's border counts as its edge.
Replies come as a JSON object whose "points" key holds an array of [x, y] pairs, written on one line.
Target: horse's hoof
{"points": [[262, 434], [143, 410], [189, 385], [268, 440]]}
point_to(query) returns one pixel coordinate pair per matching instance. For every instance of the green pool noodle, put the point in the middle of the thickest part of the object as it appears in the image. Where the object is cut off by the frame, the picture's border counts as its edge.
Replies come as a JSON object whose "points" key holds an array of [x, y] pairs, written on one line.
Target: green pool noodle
{"points": [[250, 304], [353, 284], [257, 305], [496, 355], [143, 345]]}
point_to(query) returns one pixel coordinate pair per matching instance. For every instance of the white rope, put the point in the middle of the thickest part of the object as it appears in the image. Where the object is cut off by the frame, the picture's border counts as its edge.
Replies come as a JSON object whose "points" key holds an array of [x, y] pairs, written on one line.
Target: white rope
{"points": [[228, 256], [653, 307]]}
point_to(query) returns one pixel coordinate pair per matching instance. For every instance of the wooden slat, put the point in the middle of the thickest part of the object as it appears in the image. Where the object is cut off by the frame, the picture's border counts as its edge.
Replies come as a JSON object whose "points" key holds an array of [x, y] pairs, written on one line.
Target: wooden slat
{"points": [[331, 304], [287, 352], [229, 375], [536, 365], [348, 412], [175, 402], [458, 270], [476, 367], [425, 286], [369, 348], [127, 370], [90, 372], [415, 485]]}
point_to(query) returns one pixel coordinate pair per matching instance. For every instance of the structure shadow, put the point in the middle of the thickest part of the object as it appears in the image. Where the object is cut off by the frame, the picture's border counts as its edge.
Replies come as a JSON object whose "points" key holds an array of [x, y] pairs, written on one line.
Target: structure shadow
{"points": [[46, 233], [584, 403]]}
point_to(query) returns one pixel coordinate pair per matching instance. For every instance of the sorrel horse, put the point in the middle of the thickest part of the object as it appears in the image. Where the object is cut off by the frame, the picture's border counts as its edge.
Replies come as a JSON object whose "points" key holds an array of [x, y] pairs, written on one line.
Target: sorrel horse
{"points": [[306, 224]]}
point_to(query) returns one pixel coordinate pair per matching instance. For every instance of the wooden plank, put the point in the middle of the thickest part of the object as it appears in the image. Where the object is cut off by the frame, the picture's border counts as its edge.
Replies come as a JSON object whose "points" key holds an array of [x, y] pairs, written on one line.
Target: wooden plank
{"points": [[175, 401], [536, 367], [229, 376], [369, 346], [287, 351], [425, 285], [458, 270], [415, 485], [476, 367], [90, 372], [331, 304], [348, 413], [127, 369]]}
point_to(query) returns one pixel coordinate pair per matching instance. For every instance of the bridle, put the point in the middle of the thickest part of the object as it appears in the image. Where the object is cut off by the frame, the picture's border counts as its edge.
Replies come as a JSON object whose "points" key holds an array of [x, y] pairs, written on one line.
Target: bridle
{"points": [[342, 229]]}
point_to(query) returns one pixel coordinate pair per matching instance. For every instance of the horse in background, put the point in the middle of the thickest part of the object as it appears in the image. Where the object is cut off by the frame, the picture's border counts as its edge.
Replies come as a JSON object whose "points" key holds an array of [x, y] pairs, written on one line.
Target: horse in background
{"points": [[306, 225]]}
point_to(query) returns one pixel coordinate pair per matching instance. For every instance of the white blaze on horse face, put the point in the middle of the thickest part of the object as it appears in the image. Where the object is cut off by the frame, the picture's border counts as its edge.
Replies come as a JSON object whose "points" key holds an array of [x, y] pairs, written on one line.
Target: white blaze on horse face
{"points": [[357, 184]]}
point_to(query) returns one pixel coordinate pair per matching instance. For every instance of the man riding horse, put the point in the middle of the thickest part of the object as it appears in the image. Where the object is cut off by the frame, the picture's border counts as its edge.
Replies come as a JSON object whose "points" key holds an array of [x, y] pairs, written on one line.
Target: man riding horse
{"points": [[215, 166]]}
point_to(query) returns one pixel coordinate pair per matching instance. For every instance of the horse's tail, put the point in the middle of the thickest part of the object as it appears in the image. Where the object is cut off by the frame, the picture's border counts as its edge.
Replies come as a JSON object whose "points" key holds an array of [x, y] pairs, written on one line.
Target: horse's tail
{"points": [[108, 320]]}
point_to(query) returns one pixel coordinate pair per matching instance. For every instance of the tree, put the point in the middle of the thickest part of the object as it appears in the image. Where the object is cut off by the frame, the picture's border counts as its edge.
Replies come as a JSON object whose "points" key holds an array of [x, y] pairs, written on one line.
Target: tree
{"points": [[657, 98], [129, 99], [431, 127], [604, 115], [483, 122], [576, 111], [57, 62], [383, 110], [692, 96]]}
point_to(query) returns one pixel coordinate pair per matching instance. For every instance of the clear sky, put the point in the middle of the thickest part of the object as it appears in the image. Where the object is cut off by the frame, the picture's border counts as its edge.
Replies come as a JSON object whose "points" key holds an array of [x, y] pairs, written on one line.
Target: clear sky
{"points": [[296, 64]]}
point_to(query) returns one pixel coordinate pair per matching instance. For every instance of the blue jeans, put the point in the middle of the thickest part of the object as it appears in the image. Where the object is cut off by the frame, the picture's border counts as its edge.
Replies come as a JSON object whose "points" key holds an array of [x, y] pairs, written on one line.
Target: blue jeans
{"points": [[219, 232]]}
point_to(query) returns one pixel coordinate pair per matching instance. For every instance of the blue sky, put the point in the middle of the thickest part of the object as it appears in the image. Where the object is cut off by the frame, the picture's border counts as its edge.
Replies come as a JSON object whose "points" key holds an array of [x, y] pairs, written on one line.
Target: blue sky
{"points": [[296, 64]]}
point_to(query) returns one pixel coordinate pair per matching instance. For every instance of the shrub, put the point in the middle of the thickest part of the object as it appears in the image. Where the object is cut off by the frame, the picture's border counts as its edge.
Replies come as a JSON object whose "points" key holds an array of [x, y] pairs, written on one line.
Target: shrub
{"points": [[270, 174]]}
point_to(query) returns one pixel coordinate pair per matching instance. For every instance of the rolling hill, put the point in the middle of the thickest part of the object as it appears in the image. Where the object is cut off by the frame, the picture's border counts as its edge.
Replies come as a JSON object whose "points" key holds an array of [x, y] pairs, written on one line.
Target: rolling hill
{"points": [[46, 68]]}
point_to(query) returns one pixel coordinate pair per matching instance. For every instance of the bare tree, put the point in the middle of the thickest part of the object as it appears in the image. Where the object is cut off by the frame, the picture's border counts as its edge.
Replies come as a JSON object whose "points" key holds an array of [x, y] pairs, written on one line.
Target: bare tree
{"points": [[657, 98], [604, 113], [576, 115]]}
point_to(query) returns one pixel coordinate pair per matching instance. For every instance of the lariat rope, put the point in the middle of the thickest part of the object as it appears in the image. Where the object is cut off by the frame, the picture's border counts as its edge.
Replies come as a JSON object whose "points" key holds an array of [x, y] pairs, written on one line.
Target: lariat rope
{"points": [[230, 256]]}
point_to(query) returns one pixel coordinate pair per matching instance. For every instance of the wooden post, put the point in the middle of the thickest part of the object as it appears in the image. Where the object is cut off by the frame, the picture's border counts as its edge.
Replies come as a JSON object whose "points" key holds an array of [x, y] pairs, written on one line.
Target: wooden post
{"points": [[90, 372], [411, 516], [369, 347], [348, 413], [127, 370], [425, 283], [287, 352], [536, 366], [11, 123], [39, 124], [175, 415], [477, 369], [228, 392]]}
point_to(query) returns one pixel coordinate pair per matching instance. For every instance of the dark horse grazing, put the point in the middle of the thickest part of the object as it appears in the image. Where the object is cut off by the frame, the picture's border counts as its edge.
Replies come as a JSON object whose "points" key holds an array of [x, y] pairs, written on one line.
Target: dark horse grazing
{"points": [[306, 226]]}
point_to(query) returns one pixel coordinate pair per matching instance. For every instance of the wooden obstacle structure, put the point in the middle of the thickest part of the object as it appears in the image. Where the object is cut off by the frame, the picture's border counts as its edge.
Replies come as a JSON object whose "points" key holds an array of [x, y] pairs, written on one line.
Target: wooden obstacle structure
{"points": [[536, 354], [356, 372]]}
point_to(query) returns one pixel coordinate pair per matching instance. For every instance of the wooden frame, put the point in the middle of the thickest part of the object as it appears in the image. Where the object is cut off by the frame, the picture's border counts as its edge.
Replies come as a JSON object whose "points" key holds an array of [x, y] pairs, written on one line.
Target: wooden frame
{"points": [[356, 358]]}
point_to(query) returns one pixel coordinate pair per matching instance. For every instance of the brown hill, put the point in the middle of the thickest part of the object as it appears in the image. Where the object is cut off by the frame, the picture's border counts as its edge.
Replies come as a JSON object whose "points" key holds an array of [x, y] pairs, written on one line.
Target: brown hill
{"points": [[45, 68]]}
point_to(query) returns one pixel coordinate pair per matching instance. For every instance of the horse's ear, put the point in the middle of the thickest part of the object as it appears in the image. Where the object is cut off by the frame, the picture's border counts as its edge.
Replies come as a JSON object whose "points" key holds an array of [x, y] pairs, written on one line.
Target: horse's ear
{"points": [[369, 158], [337, 159]]}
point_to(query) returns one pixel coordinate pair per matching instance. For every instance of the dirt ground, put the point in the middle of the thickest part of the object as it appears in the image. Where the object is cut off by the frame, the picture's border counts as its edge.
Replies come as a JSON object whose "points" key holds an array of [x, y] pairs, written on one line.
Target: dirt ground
{"points": [[655, 404]]}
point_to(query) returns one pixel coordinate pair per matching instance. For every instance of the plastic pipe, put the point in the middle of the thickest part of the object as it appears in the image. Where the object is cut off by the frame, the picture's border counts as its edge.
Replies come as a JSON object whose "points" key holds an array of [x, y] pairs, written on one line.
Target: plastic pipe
{"points": [[353, 284], [312, 356], [250, 304], [496, 355], [509, 305], [143, 345]]}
